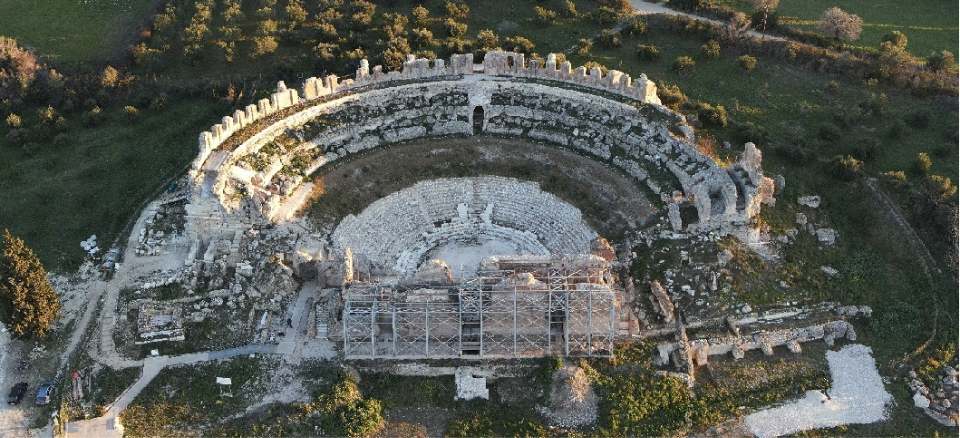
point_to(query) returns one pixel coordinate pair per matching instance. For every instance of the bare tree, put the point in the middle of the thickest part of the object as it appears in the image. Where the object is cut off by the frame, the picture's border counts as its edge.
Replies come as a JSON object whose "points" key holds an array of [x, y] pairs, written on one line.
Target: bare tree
{"points": [[765, 7], [736, 28], [841, 24]]}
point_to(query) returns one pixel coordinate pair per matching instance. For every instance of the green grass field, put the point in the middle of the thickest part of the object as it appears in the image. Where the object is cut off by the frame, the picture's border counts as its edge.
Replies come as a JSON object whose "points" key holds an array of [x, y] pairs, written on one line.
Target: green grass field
{"points": [[929, 26], [94, 184], [73, 30]]}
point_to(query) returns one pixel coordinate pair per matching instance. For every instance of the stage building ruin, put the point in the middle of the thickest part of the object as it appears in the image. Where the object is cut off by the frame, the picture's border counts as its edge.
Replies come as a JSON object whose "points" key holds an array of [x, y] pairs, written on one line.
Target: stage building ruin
{"points": [[515, 306]]}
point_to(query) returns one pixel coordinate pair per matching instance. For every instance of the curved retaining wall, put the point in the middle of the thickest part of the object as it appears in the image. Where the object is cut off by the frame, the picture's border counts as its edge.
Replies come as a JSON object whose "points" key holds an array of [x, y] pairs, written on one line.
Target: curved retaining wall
{"points": [[609, 117]]}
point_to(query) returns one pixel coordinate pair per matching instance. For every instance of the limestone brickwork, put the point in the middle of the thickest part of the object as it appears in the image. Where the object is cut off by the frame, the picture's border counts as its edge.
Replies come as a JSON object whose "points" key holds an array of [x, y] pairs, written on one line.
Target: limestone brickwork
{"points": [[398, 230], [612, 117]]}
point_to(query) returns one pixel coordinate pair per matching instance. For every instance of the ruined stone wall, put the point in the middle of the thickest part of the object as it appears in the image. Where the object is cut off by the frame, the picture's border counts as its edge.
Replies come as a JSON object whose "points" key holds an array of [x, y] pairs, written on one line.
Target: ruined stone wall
{"points": [[611, 117]]}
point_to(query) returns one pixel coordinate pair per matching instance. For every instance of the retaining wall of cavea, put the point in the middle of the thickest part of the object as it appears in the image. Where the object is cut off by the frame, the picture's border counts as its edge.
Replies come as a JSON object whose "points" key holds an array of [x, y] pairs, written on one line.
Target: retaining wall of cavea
{"points": [[610, 117]]}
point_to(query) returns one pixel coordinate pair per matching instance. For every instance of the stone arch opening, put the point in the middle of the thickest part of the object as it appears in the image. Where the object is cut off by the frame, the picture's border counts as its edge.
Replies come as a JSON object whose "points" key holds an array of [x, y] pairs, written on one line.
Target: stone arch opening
{"points": [[478, 119], [509, 62]]}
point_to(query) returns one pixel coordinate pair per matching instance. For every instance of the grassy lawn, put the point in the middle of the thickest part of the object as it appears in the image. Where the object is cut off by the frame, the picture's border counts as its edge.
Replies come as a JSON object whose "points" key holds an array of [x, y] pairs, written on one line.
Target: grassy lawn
{"points": [[73, 30], [931, 26], [187, 397], [791, 103], [94, 183]]}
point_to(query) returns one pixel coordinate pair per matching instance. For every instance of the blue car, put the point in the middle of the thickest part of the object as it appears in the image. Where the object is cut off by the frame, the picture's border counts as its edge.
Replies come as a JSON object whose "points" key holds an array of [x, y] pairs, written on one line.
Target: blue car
{"points": [[46, 390]]}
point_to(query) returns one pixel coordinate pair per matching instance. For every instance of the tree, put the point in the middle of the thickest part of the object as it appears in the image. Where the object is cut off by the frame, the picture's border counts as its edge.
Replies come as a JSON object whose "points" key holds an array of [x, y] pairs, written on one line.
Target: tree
{"points": [[840, 24], [942, 61], [457, 11], [487, 40], [896, 39], [519, 44], [765, 7], [736, 28], [421, 16], [28, 303]]}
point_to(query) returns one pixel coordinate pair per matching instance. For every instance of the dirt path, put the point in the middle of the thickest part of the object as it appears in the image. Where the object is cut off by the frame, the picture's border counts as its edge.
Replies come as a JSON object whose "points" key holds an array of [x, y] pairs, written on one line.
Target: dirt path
{"points": [[647, 8]]}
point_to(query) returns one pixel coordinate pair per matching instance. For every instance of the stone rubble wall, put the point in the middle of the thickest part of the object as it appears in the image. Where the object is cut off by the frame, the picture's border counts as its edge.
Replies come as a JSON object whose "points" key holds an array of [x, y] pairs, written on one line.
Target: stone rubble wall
{"points": [[699, 350], [611, 117]]}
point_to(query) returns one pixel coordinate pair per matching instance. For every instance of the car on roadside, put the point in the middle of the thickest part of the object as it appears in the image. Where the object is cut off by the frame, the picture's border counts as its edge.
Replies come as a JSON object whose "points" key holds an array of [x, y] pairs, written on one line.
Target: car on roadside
{"points": [[17, 393], [43, 395]]}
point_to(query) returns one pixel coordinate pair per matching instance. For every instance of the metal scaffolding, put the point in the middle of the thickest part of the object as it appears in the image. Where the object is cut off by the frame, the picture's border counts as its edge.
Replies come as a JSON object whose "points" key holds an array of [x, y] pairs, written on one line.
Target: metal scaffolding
{"points": [[558, 311]]}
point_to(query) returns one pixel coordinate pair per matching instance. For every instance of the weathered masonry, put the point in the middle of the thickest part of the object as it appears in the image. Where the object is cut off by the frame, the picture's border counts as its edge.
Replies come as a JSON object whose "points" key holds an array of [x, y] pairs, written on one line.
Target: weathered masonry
{"points": [[526, 306], [612, 118]]}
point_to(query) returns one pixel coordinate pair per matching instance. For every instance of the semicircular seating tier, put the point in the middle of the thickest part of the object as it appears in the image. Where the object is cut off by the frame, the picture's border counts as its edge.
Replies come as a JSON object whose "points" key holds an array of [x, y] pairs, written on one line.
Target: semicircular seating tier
{"points": [[399, 230], [255, 161]]}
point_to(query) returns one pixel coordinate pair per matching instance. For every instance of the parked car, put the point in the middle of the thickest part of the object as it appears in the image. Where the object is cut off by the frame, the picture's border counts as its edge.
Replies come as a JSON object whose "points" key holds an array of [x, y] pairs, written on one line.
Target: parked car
{"points": [[43, 395], [17, 393]]}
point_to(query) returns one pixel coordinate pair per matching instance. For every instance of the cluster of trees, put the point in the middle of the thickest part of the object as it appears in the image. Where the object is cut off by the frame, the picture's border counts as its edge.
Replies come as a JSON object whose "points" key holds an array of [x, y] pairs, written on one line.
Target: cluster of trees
{"points": [[39, 104], [323, 36]]}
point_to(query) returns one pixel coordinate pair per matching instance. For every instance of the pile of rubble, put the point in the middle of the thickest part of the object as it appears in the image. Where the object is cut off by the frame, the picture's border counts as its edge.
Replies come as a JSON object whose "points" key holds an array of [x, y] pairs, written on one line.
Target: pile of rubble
{"points": [[941, 403], [573, 403]]}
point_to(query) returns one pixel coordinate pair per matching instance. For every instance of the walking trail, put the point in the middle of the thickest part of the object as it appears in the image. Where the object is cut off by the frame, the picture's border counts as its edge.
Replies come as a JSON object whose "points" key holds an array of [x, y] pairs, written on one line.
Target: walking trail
{"points": [[108, 426]]}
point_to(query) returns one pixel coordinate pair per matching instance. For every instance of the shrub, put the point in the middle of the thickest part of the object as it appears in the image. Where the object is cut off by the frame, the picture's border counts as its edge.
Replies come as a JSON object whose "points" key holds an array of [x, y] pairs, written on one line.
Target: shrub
{"points": [[710, 50], [896, 129], [799, 152], [519, 44], [14, 121], [671, 96], [636, 26], [829, 133], [487, 40], [867, 149], [609, 39], [847, 168], [569, 9], [918, 119], [421, 16], [648, 52], [942, 61], [61, 140], [939, 188], [421, 37], [18, 137], [545, 16], [751, 132], [896, 39], [346, 413], [712, 116], [683, 64], [923, 163], [895, 178], [456, 11], [585, 46], [878, 104], [130, 113], [94, 117], [607, 15], [747, 62], [454, 28]]}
